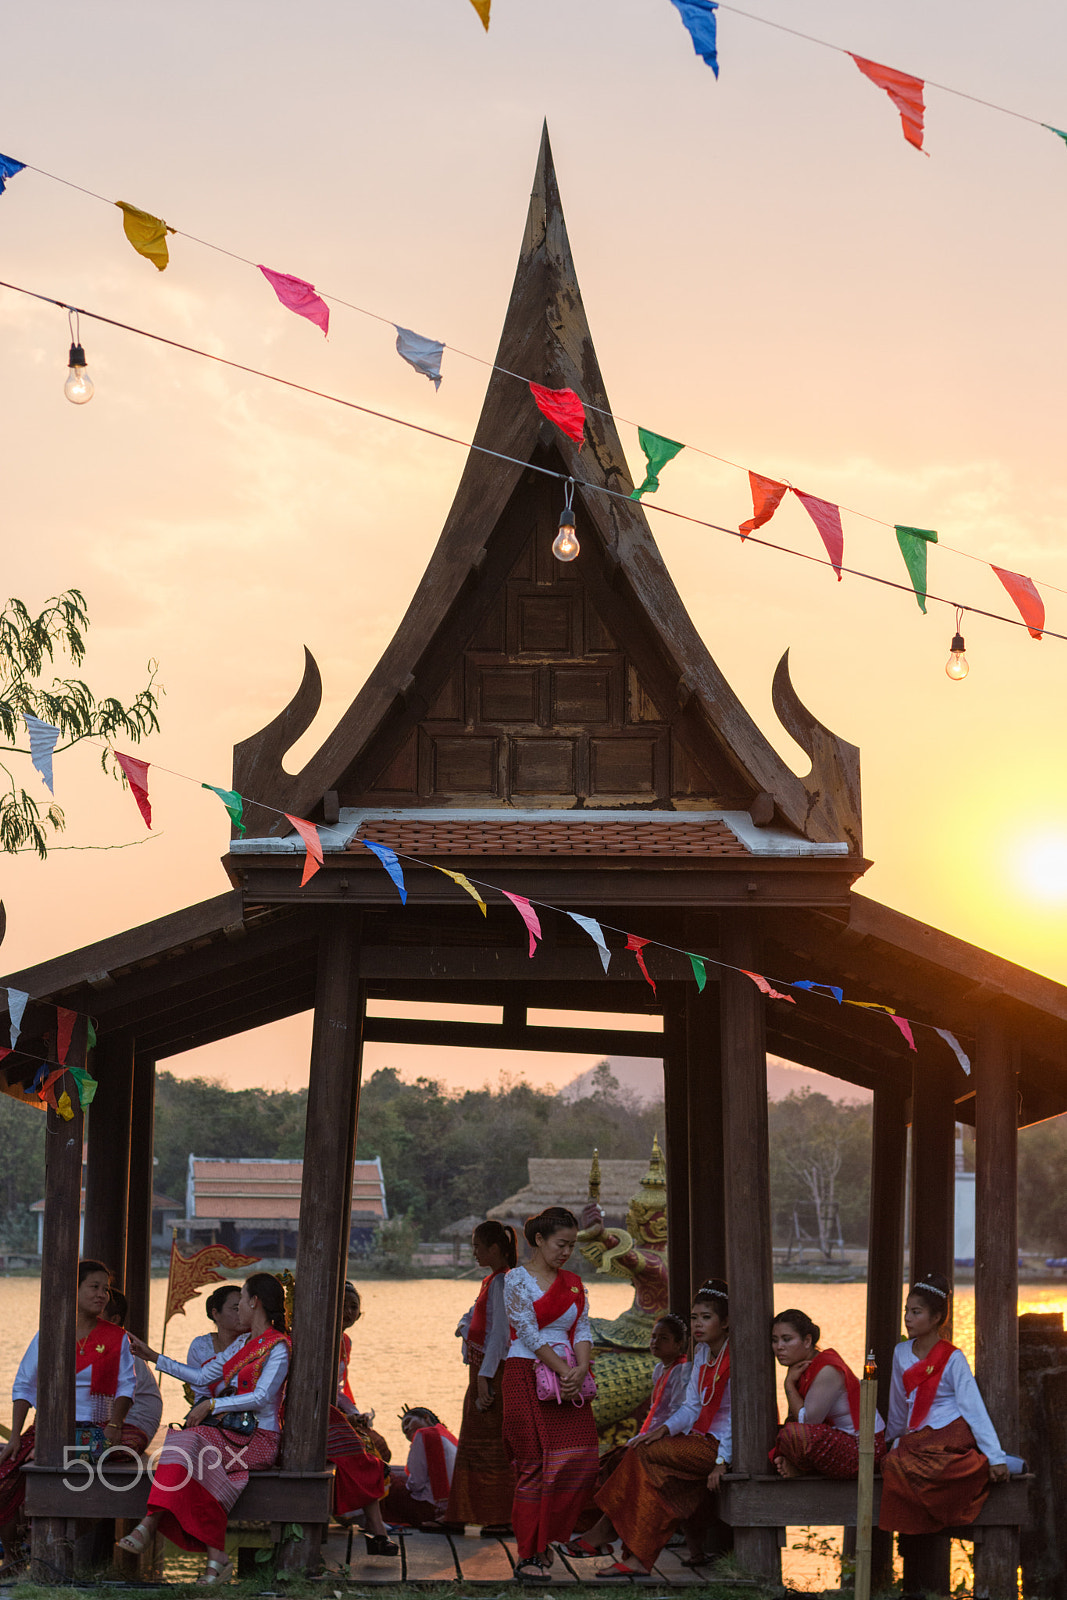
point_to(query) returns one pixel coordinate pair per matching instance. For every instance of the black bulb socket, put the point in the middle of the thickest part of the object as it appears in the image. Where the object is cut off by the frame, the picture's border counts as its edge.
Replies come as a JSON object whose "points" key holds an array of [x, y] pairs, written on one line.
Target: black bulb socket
{"points": [[957, 642], [76, 357], [566, 518]]}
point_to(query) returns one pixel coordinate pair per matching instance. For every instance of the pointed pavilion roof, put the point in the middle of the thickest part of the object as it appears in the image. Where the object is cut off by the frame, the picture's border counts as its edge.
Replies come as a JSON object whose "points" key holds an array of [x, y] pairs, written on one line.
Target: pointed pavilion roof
{"points": [[546, 338]]}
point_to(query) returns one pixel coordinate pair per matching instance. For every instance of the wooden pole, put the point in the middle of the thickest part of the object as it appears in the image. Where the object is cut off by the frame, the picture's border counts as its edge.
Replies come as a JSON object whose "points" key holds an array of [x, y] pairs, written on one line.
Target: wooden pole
{"points": [[865, 1484], [996, 1273], [139, 1216], [707, 1182], [885, 1267], [333, 1099], [676, 1135], [107, 1171], [748, 1225]]}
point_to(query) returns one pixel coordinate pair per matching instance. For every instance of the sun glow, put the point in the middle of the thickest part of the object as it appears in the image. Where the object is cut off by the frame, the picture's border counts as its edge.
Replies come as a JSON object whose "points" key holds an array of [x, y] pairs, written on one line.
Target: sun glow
{"points": [[1042, 865]]}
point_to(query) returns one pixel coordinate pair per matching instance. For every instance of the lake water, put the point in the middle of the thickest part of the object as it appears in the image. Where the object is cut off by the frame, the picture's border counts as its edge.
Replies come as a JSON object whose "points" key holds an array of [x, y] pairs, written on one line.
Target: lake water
{"points": [[405, 1350]]}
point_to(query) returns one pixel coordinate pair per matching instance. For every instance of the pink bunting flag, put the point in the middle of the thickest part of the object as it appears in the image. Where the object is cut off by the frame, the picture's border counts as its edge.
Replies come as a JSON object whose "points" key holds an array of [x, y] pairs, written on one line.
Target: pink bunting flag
{"points": [[905, 92], [767, 496], [312, 843], [827, 518], [299, 296], [1030, 604], [528, 915], [764, 987], [637, 945], [905, 1027], [137, 778], [65, 1021], [563, 407]]}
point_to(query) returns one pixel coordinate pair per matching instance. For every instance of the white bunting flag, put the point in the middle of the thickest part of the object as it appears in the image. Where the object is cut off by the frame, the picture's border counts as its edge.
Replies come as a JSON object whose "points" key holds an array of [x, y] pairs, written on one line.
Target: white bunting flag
{"points": [[422, 354], [43, 739]]}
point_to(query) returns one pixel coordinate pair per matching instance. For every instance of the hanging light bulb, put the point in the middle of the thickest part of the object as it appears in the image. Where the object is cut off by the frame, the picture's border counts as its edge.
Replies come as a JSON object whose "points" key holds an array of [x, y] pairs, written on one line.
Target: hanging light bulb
{"points": [[565, 545], [957, 666], [79, 386]]}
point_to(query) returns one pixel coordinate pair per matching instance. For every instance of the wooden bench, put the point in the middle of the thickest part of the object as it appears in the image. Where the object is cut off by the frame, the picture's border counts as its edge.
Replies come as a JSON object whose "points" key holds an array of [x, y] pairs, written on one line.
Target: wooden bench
{"points": [[84, 1492], [774, 1502]]}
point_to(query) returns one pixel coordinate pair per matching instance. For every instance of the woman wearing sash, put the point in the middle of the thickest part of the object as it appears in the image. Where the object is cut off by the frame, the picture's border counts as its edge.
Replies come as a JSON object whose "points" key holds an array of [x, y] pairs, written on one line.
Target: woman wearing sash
{"points": [[483, 1481], [946, 1451], [552, 1443], [104, 1384], [221, 1308], [418, 1491], [821, 1432], [665, 1474], [354, 1450], [204, 1466]]}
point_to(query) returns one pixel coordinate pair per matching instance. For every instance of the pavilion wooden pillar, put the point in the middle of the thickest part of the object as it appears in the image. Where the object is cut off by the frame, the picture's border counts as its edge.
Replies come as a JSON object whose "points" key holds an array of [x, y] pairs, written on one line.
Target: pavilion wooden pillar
{"points": [[885, 1265], [325, 1207], [107, 1170], [996, 1273], [139, 1213], [707, 1181], [748, 1224], [676, 1134], [52, 1545]]}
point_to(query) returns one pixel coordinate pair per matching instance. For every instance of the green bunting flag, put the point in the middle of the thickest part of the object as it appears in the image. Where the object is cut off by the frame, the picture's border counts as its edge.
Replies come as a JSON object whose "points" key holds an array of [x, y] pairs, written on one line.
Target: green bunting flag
{"points": [[90, 1034], [913, 542], [233, 803], [658, 451], [700, 971], [1057, 131], [86, 1085]]}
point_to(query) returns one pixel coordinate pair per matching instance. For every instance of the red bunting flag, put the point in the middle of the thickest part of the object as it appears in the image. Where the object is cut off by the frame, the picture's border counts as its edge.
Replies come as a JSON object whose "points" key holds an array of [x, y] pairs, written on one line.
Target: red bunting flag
{"points": [[827, 518], [637, 945], [65, 1021], [1030, 604], [766, 498], [905, 92], [47, 1091], [764, 987], [563, 407], [528, 915], [137, 778], [905, 1027], [310, 835], [296, 294]]}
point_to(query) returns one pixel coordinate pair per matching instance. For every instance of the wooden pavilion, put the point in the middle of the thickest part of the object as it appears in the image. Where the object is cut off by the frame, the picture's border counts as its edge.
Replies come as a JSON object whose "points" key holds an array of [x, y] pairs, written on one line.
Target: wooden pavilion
{"points": [[563, 731]]}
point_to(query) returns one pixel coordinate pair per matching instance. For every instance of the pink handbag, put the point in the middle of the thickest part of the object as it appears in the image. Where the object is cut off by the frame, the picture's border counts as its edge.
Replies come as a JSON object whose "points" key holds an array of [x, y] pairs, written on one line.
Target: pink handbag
{"points": [[547, 1381]]}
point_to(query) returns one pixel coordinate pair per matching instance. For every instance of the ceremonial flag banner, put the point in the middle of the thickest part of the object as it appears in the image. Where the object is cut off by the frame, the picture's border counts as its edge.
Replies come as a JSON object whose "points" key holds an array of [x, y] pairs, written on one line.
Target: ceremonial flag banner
{"points": [[700, 972], [137, 777], [296, 294], [905, 92], [65, 1021], [699, 18], [16, 1007], [189, 1274], [1030, 604], [64, 1107], [312, 844], [482, 8], [422, 354], [42, 742], [658, 451], [392, 866], [814, 988], [767, 496], [528, 915], [765, 988], [913, 543], [563, 407], [637, 946], [9, 166], [590, 926], [1057, 131], [465, 883], [957, 1049], [86, 1084], [234, 805], [905, 1027], [827, 518], [146, 233]]}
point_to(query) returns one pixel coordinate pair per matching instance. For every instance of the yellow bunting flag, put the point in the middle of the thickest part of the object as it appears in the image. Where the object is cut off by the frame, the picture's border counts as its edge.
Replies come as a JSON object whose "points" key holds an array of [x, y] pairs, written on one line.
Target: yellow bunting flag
{"points": [[65, 1109], [146, 233], [458, 877], [482, 8]]}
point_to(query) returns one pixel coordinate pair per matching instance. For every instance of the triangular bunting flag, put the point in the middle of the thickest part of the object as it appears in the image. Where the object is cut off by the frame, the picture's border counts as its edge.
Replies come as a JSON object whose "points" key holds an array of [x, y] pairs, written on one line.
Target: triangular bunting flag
{"points": [[42, 742], [65, 1109], [147, 234], [299, 296], [871, 1005], [1030, 604], [65, 1021], [90, 1034], [637, 946], [482, 8], [658, 451], [39, 1076], [422, 354], [563, 407], [905, 1027], [528, 915], [590, 926], [957, 1049], [905, 92], [765, 988], [86, 1085], [137, 777], [700, 971], [234, 805], [392, 866], [699, 18], [312, 844], [9, 166], [913, 543], [47, 1091], [16, 1007], [464, 883], [1057, 131], [767, 496], [814, 988], [827, 518]]}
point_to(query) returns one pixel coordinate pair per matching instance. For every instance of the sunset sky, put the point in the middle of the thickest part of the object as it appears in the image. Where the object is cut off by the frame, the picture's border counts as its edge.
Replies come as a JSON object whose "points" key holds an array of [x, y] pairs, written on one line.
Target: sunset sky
{"points": [[770, 273]]}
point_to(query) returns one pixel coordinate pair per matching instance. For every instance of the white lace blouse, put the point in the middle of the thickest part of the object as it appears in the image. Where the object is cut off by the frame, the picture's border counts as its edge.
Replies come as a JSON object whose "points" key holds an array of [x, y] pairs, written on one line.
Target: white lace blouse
{"points": [[265, 1399], [521, 1289]]}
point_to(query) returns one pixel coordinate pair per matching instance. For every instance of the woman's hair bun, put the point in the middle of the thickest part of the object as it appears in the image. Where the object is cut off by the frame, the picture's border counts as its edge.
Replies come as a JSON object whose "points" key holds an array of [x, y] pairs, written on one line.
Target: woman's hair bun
{"points": [[553, 1219]]}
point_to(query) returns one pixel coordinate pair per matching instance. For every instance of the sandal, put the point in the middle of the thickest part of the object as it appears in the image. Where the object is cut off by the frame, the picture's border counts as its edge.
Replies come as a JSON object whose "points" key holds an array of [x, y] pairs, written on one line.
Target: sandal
{"points": [[582, 1549], [618, 1569], [216, 1572], [531, 1571], [136, 1542], [380, 1544]]}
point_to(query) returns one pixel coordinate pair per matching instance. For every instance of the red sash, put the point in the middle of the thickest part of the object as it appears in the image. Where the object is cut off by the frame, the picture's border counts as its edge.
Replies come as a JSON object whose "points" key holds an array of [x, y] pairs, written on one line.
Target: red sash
{"points": [[566, 1290], [342, 1375], [830, 1358], [102, 1351], [479, 1323], [657, 1396], [713, 1381], [248, 1363], [432, 1443], [923, 1378]]}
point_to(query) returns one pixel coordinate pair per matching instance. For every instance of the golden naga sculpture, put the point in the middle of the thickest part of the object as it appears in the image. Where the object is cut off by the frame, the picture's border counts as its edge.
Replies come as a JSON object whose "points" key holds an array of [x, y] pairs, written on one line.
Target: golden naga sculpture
{"points": [[637, 1252]]}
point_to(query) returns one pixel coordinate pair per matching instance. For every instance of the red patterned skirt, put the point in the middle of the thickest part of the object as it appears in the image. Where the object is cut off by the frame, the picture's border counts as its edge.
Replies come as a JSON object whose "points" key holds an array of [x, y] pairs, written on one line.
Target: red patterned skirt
{"points": [[817, 1447], [554, 1451], [483, 1479], [656, 1486], [359, 1476], [200, 1475], [12, 1479], [934, 1478]]}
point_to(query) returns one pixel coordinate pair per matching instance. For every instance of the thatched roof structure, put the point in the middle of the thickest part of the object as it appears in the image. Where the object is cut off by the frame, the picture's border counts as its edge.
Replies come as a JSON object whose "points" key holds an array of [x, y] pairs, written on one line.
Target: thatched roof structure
{"points": [[565, 1182]]}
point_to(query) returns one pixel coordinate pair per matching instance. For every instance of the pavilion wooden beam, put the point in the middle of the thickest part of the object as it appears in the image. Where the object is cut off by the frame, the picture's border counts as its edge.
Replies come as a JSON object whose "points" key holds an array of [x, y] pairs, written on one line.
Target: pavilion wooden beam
{"points": [[707, 1166], [107, 1170], [676, 1139], [493, 1036], [139, 1217]]}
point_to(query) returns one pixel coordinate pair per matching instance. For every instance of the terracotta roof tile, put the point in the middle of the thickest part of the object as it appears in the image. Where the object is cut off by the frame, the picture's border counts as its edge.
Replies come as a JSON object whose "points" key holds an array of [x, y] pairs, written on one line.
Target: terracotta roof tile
{"points": [[579, 835]]}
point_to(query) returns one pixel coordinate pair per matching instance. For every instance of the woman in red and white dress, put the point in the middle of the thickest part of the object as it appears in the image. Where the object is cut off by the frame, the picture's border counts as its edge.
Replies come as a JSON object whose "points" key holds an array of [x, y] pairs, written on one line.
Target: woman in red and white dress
{"points": [[821, 1432], [202, 1467], [483, 1482], [356, 1453], [418, 1491]]}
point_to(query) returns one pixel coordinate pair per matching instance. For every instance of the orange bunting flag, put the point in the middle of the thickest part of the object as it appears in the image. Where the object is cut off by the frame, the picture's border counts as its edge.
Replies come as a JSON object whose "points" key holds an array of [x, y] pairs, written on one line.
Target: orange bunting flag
{"points": [[528, 915], [905, 92], [189, 1274], [764, 987], [563, 407], [482, 8], [65, 1021], [637, 945], [310, 835], [766, 498], [136, 773], [827, 518], [1030, 604]]}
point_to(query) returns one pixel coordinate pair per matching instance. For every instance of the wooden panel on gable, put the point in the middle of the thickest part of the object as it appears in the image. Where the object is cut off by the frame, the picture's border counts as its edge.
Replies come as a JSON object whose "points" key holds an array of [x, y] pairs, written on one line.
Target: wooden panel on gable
{"points": [[688, 778], [401, 774], [543, 623], [640, 706], [582, 695], [623, 766], [448, 707], [464, 765], [543, 767], [505, 694]]}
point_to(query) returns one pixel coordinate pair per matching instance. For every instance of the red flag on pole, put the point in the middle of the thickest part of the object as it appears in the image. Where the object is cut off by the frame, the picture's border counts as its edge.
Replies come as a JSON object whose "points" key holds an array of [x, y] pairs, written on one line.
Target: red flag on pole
{"points": [[905, 92], [563, 407], [1030, 604], [137, 778], [827, 518], [766, 498], [65, 1021], [764, 987]]}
